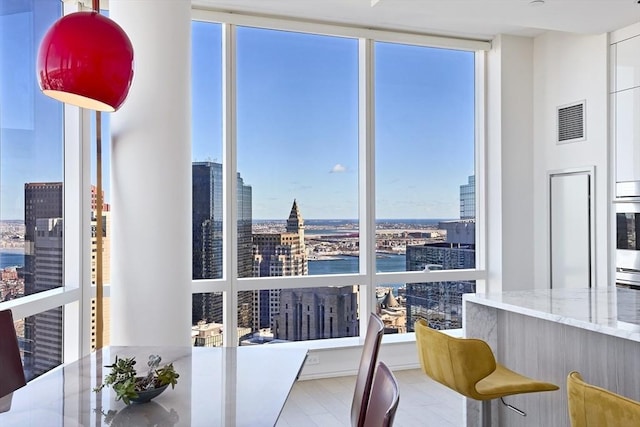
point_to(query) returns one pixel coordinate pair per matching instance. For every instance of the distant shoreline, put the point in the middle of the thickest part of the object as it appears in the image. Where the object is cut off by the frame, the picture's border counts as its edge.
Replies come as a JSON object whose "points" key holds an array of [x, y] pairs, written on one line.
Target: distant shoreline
{"points": [[17, 251]]}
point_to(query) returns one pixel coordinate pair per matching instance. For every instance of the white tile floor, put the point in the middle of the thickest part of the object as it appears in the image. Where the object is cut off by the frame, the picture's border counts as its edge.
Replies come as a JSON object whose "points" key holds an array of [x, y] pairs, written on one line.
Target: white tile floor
{"points": [[327, 402]]}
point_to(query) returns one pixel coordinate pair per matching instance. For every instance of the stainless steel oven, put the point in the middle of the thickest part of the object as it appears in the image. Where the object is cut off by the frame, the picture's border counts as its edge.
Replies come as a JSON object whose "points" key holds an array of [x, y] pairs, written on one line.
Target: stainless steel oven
{"points": [[628, 244]]}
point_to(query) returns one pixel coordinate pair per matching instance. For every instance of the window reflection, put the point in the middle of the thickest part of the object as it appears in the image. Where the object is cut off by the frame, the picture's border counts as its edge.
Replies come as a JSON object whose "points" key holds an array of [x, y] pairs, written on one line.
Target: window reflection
{"points": [[31, 173]]}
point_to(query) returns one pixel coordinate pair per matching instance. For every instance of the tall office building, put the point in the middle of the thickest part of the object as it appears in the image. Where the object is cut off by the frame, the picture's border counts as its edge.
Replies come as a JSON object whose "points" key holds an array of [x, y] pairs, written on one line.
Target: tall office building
{"points": [[468, 199], [46, 328], [44, 265], [438, 302], [207, 241], [41, 201]]}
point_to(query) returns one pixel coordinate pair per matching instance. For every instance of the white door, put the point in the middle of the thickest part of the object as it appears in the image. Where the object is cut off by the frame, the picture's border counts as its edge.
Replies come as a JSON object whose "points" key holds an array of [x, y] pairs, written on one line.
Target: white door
{"points": [[571, 218]]}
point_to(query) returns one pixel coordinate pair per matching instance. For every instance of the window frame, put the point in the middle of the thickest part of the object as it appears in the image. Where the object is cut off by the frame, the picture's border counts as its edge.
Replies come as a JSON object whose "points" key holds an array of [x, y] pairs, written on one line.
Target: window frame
{"points": [[367, 278]]}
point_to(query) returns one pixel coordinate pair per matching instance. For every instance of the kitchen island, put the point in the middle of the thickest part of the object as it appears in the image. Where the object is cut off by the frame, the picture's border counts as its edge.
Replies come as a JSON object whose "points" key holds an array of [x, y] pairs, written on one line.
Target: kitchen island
{"points": [[547, 333]]}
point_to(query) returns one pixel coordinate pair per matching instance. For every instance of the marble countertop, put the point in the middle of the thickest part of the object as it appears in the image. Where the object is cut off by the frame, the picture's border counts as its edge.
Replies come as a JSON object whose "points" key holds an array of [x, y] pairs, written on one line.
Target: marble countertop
{"points": [[611, 311]]}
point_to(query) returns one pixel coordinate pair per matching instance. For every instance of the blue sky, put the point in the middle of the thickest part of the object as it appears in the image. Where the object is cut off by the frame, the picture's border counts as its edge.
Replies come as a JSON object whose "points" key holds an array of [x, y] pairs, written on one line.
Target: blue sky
{"points": [[297, 122], [298, 128], [30, 123]]}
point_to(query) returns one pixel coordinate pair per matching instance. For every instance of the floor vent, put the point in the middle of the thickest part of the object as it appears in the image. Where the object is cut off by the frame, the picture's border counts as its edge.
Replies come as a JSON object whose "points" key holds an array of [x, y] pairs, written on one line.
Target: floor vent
{"points": [[571, 123]]}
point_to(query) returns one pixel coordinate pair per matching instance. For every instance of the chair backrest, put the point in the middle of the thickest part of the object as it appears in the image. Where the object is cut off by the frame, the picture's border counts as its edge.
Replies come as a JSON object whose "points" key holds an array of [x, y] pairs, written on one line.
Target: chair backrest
{"points": [[368, 359], [384, 399], [458, 363], [591, 406], [11, 371]]}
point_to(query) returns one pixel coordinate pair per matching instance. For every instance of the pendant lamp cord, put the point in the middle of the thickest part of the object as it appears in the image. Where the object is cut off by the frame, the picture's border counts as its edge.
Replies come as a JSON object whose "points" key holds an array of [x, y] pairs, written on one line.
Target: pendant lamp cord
{"points": [[99, 225]]}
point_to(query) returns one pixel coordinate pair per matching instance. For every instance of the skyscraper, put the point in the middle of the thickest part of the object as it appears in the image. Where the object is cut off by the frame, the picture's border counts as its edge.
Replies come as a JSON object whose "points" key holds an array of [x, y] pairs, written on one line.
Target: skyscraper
{"points": [[438, 302], [46, 327], [207, 241], [468, 199], [42, 201], [44, 266]]}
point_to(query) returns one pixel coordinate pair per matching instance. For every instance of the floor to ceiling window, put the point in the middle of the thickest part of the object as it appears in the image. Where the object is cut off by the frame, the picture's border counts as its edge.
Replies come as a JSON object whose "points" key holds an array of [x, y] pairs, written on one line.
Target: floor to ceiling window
{"points": [[287, 108], [296, 134], [425, 174], [31, 182]]}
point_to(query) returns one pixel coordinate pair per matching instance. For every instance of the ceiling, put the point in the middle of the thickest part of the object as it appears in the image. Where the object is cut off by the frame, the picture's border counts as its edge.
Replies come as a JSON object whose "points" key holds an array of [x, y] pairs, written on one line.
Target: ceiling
{"points": [[479, 19]]}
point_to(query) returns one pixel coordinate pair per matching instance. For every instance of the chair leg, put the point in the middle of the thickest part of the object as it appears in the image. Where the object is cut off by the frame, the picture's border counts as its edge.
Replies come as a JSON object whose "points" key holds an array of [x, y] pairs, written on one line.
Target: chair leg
{"points": [[486, 413], [513, 408]]}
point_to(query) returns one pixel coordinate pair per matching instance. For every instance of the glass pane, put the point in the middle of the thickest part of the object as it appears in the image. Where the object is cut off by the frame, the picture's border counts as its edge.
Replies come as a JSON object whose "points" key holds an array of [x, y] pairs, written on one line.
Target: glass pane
{"points": [[42, 342], [19, 326], [425, 185], [298, 131], [391, 307], [302, 314], [31, 173], [207, 331], [297, 122], [207, 176], [440, 303]]}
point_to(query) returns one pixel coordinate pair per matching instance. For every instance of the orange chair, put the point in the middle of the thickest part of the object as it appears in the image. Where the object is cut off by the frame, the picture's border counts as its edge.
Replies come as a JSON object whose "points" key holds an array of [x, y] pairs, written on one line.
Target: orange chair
{"points": [[591, 406], [368, 359], [385, 396], [11, 371]]}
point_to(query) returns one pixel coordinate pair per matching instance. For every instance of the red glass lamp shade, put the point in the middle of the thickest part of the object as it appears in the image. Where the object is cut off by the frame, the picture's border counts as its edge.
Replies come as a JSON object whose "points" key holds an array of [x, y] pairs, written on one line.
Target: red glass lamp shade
{"points": [[86, 59]]}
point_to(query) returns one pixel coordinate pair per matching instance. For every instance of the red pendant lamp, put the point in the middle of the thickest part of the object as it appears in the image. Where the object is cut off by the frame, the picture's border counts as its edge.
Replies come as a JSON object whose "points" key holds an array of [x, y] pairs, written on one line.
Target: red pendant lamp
{"points": [[86, 59]]}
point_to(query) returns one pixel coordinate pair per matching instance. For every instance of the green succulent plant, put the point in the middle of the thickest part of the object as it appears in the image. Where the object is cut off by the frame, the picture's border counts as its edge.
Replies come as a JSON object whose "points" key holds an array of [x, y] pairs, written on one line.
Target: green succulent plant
{"points": [[127, 384]]}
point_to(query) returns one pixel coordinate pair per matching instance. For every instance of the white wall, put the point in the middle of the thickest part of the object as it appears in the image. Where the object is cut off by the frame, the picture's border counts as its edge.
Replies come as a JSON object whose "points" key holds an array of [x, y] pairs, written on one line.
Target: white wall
{"points": [[568, 68], [509, 165], [527, 79]]}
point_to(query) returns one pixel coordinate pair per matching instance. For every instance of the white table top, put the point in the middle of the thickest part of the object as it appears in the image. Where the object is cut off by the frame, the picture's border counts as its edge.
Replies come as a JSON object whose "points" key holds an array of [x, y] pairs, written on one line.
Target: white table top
{"points": [[245, 386], [612, 311]]}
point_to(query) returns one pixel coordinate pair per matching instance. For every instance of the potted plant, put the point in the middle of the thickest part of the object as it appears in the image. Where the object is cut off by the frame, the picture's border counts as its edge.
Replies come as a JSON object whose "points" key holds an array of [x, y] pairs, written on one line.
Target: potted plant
{"points": [[131, 387]]}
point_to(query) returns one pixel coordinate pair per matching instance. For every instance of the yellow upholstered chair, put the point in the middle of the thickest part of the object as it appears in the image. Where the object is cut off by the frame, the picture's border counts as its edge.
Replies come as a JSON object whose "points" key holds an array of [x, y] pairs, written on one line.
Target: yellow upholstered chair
{"points": [[469, 367], [591, 406]]}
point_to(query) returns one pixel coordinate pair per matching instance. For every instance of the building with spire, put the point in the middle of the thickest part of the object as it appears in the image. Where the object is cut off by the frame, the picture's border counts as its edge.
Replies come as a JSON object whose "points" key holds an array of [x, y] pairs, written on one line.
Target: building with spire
{"points": [[301, 313], [277, 254]]}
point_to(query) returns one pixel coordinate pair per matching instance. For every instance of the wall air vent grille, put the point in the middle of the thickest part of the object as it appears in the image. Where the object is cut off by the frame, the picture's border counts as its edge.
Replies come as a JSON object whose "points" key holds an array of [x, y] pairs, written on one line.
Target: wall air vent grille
{"points": [[571, 123]]}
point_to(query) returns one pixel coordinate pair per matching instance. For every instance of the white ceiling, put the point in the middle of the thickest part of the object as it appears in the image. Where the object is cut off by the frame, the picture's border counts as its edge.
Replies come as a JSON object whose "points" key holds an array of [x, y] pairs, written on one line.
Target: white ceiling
{"points": [[480, 19]]}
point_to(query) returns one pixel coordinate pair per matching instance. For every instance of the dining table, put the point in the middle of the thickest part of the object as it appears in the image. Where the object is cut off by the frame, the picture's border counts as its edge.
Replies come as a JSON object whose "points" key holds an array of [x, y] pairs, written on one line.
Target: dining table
{"points": [[217, 386]]}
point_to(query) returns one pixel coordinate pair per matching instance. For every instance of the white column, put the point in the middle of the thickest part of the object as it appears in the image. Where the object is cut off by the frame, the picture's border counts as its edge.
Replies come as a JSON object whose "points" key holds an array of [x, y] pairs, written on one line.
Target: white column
{"points": [[151, 179]]}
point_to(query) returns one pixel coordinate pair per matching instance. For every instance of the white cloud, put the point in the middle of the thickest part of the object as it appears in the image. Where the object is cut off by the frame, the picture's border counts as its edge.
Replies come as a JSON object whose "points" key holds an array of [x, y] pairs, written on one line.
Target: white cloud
{"points": [[338, 168]]}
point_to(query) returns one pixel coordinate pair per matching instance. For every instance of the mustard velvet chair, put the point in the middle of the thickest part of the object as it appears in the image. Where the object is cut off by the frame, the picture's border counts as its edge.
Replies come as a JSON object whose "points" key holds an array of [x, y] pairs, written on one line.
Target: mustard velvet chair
{"points": [[592, 406], [468, 366]]}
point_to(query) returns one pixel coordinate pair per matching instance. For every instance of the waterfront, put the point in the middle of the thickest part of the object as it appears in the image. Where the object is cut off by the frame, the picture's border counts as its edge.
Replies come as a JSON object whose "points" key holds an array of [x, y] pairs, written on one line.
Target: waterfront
{"points": [[350, 264], [11, 258]]}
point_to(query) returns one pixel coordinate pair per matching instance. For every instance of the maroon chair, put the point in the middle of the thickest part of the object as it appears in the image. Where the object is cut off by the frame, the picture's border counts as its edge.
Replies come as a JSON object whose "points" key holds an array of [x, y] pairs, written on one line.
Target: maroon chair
{"points": [[375, 330], [11, 371], [385, 396]]}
